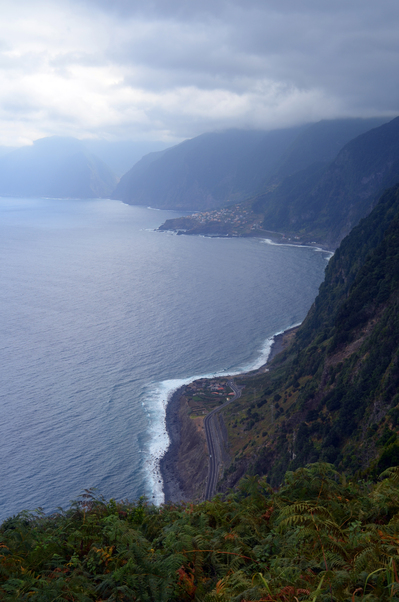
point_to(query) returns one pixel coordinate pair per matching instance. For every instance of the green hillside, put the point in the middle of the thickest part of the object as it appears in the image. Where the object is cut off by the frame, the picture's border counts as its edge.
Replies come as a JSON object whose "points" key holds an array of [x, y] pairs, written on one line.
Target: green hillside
{"points": [[333, 395]]}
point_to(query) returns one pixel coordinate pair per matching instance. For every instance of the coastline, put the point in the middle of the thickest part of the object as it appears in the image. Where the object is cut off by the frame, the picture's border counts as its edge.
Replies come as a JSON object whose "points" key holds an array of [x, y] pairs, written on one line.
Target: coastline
{"points": [[179, 487], [280, 342], [168, 463]]}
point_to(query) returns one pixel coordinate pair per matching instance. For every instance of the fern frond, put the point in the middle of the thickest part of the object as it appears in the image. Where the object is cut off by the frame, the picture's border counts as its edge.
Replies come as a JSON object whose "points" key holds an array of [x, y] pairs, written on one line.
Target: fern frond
{"points": [[391, 473]]}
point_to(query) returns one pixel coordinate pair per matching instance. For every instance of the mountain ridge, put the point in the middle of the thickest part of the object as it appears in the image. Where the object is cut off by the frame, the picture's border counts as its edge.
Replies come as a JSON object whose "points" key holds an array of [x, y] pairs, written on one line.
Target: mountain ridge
{"points": [[204, 172], [55, 167], [220, 168], [332, 201], [319, 204]]}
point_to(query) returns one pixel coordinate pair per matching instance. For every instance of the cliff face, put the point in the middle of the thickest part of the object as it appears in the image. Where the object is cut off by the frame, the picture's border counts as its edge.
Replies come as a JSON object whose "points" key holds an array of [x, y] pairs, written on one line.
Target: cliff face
{"points": [[192, 459], [329, 201], [333, 395], [205, 172]]}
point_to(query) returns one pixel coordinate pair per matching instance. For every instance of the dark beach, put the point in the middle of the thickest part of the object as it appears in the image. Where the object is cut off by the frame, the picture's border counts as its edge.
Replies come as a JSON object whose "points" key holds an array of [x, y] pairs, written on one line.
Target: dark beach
{"points": [[168, 464], [280, 342]]}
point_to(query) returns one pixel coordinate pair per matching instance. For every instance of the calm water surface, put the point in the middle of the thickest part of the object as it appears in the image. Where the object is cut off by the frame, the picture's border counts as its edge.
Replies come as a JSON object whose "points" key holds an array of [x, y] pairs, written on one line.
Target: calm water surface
{"points": [[101, 318]]}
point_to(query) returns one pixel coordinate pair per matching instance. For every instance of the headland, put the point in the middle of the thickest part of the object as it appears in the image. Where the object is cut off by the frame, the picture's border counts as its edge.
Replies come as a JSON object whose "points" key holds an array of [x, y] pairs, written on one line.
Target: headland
{"points": [[184, 466]]}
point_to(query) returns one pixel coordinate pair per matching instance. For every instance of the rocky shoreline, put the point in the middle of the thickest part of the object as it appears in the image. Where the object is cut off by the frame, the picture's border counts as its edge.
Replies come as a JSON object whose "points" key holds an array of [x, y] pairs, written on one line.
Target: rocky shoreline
{"points": [[184, 467]]}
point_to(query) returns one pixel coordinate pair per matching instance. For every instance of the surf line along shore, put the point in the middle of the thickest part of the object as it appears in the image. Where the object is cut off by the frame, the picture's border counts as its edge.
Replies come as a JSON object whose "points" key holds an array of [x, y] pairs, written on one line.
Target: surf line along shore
{"points": [[188, 472]]}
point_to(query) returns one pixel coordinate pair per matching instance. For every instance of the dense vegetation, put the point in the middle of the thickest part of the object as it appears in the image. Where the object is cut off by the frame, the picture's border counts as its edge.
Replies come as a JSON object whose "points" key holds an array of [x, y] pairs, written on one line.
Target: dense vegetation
{"points": [[333, 395], [316, 538]]}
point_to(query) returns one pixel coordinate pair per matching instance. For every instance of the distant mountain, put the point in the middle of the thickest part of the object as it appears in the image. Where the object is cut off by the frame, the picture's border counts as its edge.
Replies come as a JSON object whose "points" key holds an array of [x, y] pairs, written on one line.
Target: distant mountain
{"points": [[121, 155], [324, 203], [222, 168], [333, 395], [55, 167], [206, 172]]}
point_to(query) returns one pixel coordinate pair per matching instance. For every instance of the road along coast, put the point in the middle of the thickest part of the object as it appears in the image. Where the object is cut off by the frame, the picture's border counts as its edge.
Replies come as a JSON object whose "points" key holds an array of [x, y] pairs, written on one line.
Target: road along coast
{"points": [[198, 446]]}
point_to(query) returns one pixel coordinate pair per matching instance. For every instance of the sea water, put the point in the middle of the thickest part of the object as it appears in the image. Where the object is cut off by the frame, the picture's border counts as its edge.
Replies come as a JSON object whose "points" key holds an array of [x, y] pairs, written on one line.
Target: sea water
{"points": [[102, 318]]}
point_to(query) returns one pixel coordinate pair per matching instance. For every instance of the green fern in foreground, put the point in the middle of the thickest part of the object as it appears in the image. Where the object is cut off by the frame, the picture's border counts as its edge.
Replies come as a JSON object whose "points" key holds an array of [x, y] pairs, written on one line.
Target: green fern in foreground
{"points": [[318, 538]]}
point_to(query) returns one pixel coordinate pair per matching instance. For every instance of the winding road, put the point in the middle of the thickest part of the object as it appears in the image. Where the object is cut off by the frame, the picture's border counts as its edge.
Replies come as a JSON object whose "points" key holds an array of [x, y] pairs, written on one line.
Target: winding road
{"points": [[214, 442]]}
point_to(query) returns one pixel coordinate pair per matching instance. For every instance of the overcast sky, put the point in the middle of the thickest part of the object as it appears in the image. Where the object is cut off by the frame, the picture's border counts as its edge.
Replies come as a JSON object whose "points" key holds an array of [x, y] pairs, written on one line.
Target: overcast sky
{"points": [[173, 69]]}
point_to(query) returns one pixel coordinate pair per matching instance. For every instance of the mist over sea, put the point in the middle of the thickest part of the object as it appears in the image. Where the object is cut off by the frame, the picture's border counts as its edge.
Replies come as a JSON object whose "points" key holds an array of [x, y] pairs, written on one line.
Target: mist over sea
{"points": [[101, 318]]}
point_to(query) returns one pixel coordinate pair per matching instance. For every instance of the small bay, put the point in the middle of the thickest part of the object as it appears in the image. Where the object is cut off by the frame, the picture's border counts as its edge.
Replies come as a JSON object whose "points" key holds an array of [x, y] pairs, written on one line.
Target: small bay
{"points": [[101, 318]]}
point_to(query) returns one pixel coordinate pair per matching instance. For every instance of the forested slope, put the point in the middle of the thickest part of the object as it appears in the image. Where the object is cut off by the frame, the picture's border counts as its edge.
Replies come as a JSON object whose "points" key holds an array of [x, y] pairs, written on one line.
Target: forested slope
{"points": [[333, 395]]}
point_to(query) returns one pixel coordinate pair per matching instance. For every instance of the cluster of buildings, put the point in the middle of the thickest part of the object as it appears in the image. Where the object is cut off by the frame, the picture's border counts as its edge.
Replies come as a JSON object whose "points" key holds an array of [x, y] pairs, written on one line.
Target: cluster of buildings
{"points": [[204, 385], [237, 216]]}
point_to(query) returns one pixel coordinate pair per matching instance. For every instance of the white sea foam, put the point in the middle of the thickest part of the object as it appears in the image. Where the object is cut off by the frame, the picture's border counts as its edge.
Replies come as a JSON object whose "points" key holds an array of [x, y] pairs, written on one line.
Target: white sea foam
{"points": [[273, 243], [264, 352], [157, 399]]}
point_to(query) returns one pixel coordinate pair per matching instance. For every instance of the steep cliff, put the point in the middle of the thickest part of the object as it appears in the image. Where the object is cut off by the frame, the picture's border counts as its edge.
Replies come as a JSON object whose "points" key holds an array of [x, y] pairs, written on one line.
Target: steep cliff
{"points": [[327, 202], [333, 395]]}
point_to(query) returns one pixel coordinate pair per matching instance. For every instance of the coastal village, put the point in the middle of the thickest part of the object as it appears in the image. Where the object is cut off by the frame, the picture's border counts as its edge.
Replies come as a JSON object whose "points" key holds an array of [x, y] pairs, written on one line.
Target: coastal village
{"points": [[241, 219], [234, 220], [203, 395]]}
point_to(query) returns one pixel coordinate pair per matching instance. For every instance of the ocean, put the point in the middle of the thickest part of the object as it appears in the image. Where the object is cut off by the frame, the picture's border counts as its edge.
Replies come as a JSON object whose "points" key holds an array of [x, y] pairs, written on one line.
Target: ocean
{"points": [[102, 318]]}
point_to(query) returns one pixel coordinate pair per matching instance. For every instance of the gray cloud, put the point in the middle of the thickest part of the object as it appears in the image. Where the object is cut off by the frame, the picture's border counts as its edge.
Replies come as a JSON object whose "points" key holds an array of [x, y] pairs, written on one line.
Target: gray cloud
{"points": [[170, 70]]}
